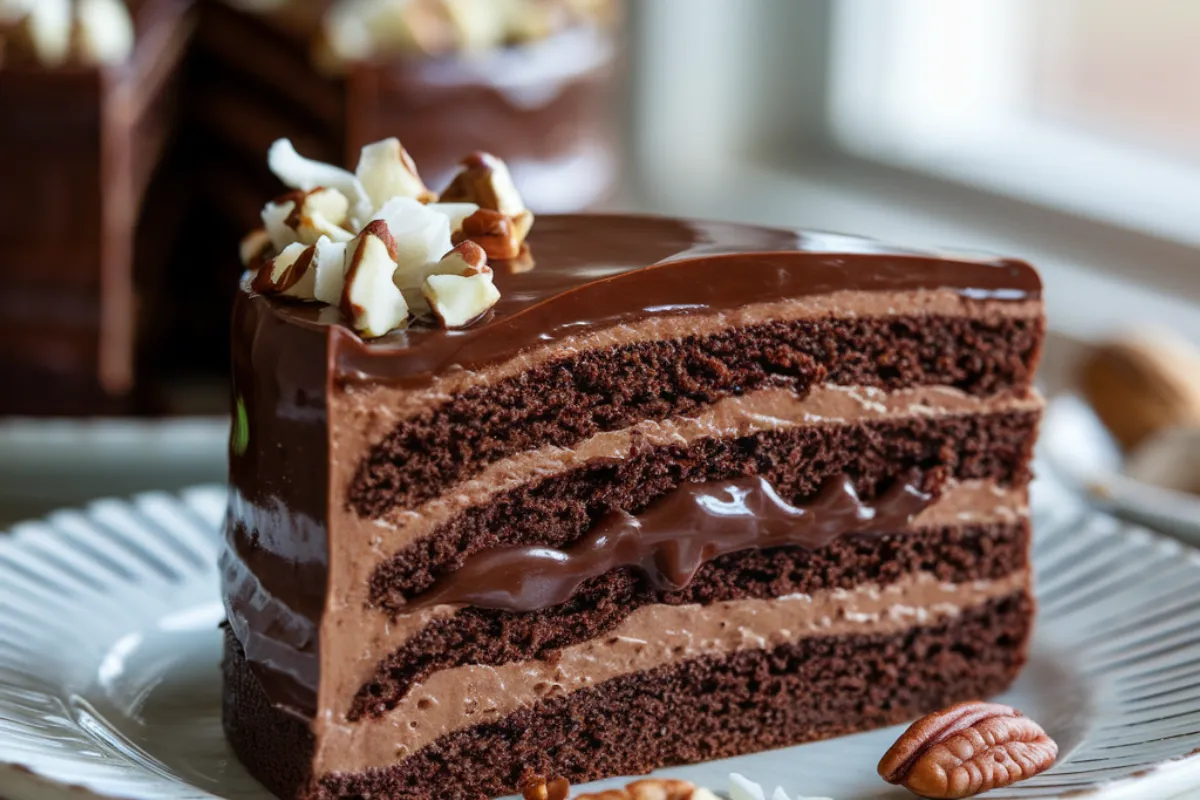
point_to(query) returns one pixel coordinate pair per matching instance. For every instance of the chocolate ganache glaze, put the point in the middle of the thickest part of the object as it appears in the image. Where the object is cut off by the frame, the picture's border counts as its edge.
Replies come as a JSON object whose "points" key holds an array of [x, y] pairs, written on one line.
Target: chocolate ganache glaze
{"points": [[672, 539], [591, 271], [595, 271]]}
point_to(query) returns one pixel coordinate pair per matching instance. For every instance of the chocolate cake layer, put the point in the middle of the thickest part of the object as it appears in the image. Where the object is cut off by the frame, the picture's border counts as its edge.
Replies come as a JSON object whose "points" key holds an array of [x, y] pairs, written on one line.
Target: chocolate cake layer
{"points": [[564, 402], [558, 510], [768, 410], [483, 636], [815, 688]]}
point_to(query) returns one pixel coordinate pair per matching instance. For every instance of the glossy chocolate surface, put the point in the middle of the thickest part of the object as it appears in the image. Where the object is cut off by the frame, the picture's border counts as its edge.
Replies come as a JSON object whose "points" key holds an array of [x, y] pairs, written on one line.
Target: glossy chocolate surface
{"points": [[595, 271], [671, 540], [275, 561]]}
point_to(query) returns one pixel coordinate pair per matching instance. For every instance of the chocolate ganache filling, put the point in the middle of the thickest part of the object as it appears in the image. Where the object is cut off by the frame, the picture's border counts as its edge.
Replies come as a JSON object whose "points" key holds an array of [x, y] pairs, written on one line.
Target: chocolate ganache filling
{"points": [[671, 540]]}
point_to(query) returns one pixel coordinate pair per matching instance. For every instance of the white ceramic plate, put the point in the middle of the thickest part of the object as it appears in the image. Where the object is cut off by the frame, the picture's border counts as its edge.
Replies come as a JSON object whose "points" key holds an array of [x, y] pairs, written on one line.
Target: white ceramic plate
{"points": [[1077, 447], [109, 654]]}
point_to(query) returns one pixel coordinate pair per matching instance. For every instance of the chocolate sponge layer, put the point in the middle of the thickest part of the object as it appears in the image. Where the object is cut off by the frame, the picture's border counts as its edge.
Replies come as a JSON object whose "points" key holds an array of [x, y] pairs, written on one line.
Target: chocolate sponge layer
{"points": [[482, 636], [560, 509], [565, 401], [683, 713]]}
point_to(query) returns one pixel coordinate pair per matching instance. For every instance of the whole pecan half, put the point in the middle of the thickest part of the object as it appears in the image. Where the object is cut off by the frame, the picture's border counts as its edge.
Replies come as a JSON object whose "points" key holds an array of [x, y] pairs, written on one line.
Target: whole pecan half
{"points": [[967, 749]]}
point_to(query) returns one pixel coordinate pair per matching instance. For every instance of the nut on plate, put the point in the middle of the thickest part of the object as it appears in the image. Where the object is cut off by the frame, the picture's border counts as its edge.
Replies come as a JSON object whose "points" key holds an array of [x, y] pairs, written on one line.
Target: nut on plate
{"points": [[649, 789], [966, 749], [538, 788], [1143, 384]]}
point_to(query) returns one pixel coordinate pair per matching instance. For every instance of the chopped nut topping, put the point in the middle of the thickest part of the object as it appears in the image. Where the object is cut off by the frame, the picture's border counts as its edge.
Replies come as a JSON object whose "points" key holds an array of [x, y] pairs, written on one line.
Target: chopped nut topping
{"points": [[422, 238], [966, 749], [330, 266], [485, 181], [370, 299], [493, 231], [502, 221], [288, 273], [410, 257], [321, 212], [386, 170], [275, 215], [298, 172], [459, 300], [466, 259], [455, 212]]}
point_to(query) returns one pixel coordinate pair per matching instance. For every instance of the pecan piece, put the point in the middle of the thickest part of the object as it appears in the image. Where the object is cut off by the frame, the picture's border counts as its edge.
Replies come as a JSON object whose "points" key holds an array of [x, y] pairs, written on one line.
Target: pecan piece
{"points": [[653, 789], [966, 749], [538, 788]]}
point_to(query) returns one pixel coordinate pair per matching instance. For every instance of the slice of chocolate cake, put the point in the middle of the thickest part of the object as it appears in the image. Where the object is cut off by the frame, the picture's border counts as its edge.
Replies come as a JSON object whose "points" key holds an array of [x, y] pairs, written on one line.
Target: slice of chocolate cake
{"points": [[653, 492]]}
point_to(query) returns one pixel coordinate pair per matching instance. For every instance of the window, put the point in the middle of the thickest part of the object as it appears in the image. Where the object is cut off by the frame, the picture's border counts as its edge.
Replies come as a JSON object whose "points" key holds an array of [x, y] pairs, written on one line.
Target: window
{"points": [[1090, 106]]}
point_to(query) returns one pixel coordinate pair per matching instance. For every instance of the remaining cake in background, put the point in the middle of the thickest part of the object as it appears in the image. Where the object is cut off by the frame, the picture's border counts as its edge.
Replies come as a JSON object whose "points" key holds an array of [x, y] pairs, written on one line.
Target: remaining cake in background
{"points": [[122, 119], [650, 492], [529, 80], [88, 92]]}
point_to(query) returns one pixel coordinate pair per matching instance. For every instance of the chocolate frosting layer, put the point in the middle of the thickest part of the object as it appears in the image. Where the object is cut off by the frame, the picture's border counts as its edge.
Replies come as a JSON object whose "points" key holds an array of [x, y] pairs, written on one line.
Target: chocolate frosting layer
{"points": [[275, 560], [672, 539], [595, 271]]}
